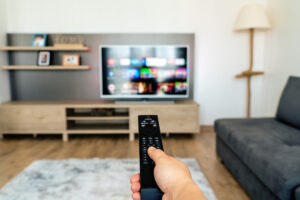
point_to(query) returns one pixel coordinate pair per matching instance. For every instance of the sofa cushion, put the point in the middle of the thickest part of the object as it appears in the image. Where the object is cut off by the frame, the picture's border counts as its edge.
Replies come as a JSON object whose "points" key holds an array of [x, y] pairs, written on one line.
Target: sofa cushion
{"points": [[269, 148], [289, 106]]}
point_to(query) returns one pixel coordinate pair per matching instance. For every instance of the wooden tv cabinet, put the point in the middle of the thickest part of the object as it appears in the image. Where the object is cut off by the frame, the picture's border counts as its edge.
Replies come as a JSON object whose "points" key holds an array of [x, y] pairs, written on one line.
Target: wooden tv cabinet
{"points": [[94, 117]]}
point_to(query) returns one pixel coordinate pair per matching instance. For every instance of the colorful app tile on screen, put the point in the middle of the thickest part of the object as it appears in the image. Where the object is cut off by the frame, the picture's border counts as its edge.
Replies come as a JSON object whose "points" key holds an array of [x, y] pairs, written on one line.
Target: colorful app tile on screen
{"points": [[145, 88], [153, 72], [132, 73], [156, 62], [111, 88], [148, 73], [111, 62], [111, 74], [165, 74], [143, 62], [124, 62], [181, 73], [180, 61], [165, 88], [135, 62], [180, 87], [130, 88], [145, 73]]}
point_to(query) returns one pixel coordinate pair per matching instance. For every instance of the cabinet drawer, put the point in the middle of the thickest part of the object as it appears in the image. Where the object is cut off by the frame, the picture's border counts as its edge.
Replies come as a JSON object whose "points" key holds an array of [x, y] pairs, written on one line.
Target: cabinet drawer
{"points": [[26, 118], [175, 119]]}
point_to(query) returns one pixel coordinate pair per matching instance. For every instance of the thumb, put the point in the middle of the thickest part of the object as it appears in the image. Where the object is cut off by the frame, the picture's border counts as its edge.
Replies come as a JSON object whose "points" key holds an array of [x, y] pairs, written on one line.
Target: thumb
{"points": [[156, 154]]}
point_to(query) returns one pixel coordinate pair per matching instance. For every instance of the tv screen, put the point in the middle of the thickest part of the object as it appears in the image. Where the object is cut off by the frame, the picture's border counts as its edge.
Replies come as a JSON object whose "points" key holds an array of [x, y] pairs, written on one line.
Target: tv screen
{"points": [[144, 72]]}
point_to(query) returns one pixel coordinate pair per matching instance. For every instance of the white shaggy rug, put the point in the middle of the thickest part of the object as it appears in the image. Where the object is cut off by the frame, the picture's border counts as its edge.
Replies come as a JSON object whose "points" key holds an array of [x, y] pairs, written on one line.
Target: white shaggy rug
{"points": [[90, 179]]}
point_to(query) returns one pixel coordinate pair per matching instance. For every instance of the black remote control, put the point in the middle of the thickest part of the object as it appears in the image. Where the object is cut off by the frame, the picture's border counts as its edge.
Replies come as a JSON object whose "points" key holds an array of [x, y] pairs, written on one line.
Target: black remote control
{"points": [[149, 135]]}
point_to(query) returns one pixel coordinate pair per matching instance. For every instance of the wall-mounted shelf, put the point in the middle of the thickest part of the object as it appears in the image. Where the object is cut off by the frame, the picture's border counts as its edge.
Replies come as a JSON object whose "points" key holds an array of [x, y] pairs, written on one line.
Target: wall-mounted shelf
{"points": [[53, 67], [47, 48]]}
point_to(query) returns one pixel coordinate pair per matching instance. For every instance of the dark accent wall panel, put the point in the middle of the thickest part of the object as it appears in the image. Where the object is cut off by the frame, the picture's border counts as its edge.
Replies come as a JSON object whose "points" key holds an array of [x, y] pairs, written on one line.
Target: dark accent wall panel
{"points": [[82, 84]]}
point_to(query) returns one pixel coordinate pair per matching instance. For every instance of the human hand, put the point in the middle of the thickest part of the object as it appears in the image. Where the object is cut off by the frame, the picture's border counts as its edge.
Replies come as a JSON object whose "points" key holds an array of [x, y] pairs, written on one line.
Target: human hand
{"points": [[172, 176]]}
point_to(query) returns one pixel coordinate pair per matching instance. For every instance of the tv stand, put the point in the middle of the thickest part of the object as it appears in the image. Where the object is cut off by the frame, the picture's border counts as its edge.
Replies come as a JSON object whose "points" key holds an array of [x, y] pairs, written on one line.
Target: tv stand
{"points": [[94, 117]]}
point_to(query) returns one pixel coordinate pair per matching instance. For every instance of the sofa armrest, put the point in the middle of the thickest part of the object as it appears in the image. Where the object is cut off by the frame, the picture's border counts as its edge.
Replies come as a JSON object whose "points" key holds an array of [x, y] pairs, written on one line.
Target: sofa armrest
{"points": [[297, 193]]}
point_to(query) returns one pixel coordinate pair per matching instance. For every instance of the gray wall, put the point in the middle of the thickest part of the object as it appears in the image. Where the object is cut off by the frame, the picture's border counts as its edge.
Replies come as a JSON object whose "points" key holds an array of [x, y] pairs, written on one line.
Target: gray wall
{"points": [[78, 85]]}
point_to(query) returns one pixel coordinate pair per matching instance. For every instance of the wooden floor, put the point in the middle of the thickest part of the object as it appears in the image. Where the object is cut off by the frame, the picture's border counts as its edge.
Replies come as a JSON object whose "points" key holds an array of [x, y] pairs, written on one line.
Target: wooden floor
{"points": [[17, 152]]}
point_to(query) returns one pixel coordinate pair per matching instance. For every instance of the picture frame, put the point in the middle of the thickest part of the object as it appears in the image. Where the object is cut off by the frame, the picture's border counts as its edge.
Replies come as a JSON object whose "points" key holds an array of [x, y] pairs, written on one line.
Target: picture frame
{"points": [[71, 60], [44, 58], [39, 40]]}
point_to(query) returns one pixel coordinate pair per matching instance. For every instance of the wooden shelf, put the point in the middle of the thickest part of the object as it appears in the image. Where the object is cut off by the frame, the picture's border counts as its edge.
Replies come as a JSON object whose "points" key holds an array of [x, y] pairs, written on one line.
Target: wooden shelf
{"points": [[100, 115], [47, 48], [97, 128], [52, 67], [98, 118], [107, 131], [249, 73]]}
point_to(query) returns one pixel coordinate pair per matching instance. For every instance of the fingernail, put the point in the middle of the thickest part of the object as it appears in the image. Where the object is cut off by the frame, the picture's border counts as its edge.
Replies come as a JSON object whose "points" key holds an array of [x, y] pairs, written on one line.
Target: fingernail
{"points": [[151, 147]]}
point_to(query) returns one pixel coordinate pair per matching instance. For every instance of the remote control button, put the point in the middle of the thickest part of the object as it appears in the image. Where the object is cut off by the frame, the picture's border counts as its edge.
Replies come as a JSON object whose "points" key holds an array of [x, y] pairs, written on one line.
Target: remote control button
{"points": [[149, 137]]}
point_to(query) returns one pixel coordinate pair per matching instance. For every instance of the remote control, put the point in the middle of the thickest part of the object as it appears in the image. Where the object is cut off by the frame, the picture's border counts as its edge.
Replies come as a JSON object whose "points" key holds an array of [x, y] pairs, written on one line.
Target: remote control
{"points": [[149, 135]]}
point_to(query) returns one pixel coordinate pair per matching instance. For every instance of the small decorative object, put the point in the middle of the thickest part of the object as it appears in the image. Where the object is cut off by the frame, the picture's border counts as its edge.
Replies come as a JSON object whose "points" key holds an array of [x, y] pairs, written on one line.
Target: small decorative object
{"points": [[44, 58], [68, 40], [39, 40], [71, 60], [252, 16]]}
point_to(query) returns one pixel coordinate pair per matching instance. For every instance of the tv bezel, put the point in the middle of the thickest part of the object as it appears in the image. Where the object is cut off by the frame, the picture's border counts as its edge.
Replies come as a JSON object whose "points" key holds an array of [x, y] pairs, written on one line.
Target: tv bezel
{"points": [[149, 96]]}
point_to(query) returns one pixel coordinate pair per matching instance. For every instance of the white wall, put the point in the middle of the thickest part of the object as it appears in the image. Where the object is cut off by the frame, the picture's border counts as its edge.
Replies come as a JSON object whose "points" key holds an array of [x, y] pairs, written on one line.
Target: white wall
{"points": [[282, 45], [4, 80], [220, 52]]}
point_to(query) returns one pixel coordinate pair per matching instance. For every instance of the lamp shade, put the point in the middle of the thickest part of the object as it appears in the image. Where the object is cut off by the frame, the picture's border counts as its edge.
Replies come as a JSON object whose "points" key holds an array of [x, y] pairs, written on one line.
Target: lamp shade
{"points": [[252, 16]]}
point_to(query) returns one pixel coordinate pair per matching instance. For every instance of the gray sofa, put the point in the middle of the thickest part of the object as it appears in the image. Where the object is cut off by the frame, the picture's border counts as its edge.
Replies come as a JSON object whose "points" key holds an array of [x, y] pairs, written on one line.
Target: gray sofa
{"points": [[263, 154]]}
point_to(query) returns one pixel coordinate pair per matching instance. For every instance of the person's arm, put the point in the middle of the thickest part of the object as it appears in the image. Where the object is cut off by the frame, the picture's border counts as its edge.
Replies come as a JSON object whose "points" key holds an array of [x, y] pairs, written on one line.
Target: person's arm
{"points": [[172, 176]]}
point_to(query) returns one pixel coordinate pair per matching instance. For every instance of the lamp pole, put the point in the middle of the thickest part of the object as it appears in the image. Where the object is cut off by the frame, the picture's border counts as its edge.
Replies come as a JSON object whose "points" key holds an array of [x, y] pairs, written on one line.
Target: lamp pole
{"points": [[249, 73], [250, 70]]}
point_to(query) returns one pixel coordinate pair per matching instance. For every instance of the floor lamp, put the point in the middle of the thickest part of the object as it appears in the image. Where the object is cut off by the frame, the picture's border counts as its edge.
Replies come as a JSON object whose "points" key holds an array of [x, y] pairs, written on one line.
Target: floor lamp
{"points": [[251, 17]]}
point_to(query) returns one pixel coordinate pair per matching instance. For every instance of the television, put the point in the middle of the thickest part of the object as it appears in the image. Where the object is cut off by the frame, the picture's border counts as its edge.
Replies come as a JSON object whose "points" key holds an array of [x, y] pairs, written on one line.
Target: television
{"points": [[144, 72]]}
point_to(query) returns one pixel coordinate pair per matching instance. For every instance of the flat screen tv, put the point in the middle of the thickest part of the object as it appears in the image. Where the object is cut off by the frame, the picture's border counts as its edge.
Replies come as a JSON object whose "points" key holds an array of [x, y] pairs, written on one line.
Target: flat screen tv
{"points": [[144, 72]]}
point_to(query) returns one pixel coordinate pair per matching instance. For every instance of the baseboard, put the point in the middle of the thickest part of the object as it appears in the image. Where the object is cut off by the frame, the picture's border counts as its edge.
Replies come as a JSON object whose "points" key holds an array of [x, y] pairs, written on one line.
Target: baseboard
{"points": [[207, 128]]}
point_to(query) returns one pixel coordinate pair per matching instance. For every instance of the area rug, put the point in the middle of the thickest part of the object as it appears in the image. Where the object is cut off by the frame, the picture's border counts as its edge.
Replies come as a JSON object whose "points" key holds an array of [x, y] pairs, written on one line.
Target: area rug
{"points": [[90, 179]]}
